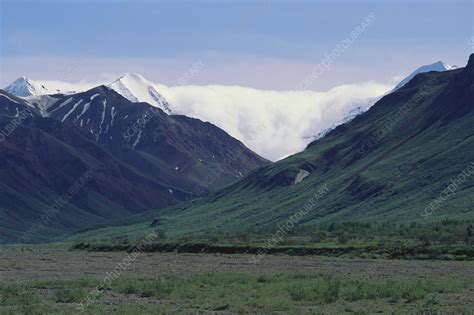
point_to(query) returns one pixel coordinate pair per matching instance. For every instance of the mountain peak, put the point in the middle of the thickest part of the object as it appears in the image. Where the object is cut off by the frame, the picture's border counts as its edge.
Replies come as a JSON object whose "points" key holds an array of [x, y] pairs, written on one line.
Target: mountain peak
{"points": [[21, 80], [136, 88], [438, 66], [26, 87], [132, 76], [441, 65], [470, 63]]}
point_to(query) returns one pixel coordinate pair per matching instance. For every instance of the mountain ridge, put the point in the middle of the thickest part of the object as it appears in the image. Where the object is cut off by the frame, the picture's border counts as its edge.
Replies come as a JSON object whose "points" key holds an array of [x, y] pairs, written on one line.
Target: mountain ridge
{"points": [[438, 66]]}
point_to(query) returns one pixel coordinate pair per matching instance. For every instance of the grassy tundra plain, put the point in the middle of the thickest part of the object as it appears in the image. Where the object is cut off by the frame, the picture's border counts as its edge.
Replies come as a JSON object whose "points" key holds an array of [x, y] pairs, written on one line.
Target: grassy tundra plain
{"points": [[52, 279]]}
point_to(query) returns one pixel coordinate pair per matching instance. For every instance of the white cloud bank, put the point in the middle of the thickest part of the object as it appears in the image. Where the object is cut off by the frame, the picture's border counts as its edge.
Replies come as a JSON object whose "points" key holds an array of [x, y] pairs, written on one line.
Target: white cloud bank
{"points": [[62, 86], [274, 124]]}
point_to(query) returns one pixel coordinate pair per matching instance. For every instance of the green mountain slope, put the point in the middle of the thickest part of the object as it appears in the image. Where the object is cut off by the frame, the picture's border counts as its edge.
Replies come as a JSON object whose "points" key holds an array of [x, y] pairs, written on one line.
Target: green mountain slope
{"points": [[388, 164]]}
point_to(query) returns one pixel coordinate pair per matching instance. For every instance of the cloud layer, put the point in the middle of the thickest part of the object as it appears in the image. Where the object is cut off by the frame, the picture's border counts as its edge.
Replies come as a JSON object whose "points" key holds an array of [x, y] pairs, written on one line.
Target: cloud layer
{"points": [[274, 124]]}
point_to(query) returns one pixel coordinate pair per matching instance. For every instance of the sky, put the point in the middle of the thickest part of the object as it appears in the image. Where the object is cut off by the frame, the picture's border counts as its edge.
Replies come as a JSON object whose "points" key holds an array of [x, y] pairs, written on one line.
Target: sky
{"points": [[259, 44]]}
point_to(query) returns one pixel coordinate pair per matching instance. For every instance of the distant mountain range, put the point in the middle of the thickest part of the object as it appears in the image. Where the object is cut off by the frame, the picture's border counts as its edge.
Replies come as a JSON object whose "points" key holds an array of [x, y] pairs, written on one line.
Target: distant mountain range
{"points": [[140, 159], [137, 157], [132, 86], [409, 158], [253, 124], [136, 88]]}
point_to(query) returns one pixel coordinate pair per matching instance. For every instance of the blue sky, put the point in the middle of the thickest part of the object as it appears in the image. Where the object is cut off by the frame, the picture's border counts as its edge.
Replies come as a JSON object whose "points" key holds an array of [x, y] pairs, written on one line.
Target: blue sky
{"points": [[262, 44]]}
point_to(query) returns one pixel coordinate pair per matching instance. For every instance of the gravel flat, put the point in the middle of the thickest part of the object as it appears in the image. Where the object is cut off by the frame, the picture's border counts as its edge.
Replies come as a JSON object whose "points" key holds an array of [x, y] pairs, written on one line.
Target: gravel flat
{"points": [[25, 265]]}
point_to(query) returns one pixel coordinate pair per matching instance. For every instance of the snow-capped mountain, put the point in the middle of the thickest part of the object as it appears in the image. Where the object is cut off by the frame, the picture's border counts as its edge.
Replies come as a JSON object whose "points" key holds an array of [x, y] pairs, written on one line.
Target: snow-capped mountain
{"points": [[132, 86], [437, 66], [355, 110], [352, 111], [136, 88], [25, 87]]}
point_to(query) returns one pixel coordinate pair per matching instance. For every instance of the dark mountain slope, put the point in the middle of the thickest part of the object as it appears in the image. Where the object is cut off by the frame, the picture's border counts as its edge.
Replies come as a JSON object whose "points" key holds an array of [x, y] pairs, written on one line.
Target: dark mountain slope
{"points": [[132, 162], [177, 148], [389, 164]]}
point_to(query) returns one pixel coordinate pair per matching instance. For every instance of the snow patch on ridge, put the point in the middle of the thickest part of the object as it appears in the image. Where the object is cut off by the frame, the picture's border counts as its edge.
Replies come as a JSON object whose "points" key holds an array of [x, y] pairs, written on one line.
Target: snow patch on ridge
{"points": [[302, 174], [7, 97], [104, 104], [112, 114], [41, 102], [138, 139], [63, 104], [71, 111], [84, 110]]}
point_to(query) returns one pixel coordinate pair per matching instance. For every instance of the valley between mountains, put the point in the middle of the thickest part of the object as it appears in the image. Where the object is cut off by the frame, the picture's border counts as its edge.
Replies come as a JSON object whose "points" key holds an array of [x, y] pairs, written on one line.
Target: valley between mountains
{"points": [[236, 157], [391, 164], [386, 164], [138, 211]]}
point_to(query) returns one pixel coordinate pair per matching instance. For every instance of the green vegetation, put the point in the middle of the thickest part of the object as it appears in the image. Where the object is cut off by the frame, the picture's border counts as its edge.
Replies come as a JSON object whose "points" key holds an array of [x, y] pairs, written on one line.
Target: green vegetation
{"points": [[11, 295], [279, 292], [444, 240], [240, 293], [70, 295]]}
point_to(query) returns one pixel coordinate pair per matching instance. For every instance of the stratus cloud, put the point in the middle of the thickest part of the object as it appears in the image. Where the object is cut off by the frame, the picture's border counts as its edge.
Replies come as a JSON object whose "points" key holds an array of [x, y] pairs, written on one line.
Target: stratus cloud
{"points": [[274, 124]]}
